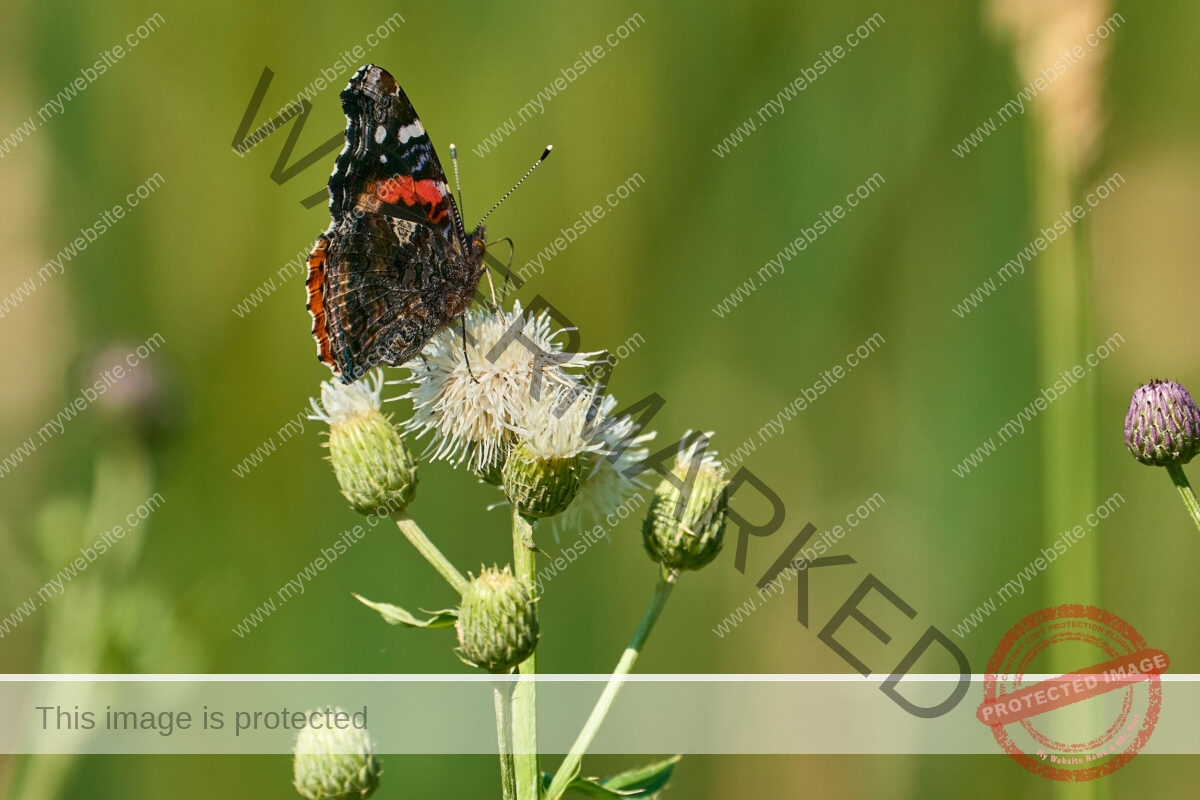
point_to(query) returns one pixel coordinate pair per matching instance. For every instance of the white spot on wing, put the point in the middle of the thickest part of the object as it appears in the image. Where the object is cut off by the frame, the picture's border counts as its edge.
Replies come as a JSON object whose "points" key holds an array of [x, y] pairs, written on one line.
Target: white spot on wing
{"points": [[382, 158], [410, 131], [380, 134]]}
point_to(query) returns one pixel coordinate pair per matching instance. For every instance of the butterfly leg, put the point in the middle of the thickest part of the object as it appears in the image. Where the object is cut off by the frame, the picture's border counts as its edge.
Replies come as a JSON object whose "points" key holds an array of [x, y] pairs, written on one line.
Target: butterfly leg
{"points": [[512, 251], [507, 272], [495, 303], [467, 355]]}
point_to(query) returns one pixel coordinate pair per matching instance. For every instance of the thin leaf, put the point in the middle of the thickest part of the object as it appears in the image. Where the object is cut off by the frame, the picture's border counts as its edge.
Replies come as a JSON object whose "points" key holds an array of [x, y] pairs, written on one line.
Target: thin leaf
{"points": [[643, 783], [585, 787], [395, 615]]}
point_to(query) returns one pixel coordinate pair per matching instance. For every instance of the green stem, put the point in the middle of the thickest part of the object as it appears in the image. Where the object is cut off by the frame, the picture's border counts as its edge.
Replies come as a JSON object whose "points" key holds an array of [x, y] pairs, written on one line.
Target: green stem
{"points": [[1069, 452], [419, 540], [570, 765], [1185, 491], [524, 698], [508, 775]]}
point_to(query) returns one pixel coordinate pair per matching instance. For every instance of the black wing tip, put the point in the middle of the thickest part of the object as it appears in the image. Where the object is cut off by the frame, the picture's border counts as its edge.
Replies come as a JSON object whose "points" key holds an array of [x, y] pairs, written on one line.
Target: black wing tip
{"points": [[369, 74]]}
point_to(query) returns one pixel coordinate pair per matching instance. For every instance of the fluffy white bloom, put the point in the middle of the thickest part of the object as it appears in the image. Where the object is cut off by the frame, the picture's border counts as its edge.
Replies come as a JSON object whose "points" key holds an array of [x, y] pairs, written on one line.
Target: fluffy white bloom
{"points": [[688, 447], [470, 412], [373, 466], [605, 488], [343, 403], [556, 425]]}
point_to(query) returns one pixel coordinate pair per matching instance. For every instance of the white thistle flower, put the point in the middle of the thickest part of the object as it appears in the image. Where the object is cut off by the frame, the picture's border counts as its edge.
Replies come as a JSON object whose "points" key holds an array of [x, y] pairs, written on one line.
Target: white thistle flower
{"points": [[374, 468], [555, 425], [343, 403], [470, 413], [605, 488], [546, 467], [687, 452]]}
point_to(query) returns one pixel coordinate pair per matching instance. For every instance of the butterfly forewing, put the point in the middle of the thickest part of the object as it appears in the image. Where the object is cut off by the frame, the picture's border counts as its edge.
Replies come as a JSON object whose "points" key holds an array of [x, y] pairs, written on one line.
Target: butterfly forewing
{"points": [[388, 159]]}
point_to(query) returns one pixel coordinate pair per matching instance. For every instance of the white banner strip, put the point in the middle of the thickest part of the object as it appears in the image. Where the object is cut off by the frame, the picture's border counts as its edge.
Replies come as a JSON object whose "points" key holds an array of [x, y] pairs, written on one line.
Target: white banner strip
{"points": [[654, 714]]}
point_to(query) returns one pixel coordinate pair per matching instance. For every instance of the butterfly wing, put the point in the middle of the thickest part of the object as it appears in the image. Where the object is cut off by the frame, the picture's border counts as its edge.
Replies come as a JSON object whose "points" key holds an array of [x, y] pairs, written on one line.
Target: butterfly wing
{"points": [[375, 292], [388, 163], [394, 265]]}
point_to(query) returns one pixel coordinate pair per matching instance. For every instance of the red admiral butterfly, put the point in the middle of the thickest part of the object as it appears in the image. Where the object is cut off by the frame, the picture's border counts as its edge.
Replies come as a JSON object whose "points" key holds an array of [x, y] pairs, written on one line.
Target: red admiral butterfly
{"points": [[396, 263]]}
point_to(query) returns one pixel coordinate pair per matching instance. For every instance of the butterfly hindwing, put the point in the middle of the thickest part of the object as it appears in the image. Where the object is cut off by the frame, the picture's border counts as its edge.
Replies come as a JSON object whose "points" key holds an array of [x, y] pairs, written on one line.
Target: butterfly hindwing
{"points": [[381, 295]]}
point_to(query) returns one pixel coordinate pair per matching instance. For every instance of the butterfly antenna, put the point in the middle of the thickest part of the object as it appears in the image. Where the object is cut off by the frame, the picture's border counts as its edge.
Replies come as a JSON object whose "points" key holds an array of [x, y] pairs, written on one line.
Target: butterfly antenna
{"points": [[457, 187], [536, 164]]}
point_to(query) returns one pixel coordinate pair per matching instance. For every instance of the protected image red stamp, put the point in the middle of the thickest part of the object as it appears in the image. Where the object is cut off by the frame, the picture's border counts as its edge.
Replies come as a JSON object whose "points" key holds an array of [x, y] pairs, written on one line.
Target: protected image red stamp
{"points": [[1104, 737]]}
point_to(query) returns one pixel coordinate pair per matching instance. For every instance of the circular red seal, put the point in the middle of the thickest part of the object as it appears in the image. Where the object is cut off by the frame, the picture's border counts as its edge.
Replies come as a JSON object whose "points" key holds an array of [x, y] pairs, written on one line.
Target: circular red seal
{"points": [[1019, 711]]}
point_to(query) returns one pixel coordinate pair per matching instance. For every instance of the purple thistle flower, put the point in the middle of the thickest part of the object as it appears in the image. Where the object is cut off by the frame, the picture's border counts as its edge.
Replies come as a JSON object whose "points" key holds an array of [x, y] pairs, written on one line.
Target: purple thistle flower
{"points": [[1163, 424]]}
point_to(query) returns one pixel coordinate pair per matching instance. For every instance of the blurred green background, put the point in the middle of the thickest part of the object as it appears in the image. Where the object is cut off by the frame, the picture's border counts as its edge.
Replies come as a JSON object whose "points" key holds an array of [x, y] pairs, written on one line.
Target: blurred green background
{"points": [[656, 105]]}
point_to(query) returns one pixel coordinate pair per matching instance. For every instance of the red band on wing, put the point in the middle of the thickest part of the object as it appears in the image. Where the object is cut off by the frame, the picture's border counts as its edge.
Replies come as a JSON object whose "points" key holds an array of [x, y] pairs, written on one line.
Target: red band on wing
{"points": [[428, 192], [316, 302]]}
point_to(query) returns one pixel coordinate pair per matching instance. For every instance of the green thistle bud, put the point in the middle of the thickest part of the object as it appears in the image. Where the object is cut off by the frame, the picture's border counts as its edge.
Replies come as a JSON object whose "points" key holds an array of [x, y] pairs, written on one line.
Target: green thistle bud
{"points": [[493, 471], [497, 621], [693, 539], [335, 764], [374, 468], [542, 487]]}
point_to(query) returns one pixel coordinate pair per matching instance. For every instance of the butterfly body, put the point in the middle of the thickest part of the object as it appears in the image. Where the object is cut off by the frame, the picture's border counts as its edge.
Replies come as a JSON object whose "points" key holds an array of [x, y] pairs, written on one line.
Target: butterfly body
{"points": [[396, 264]]}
